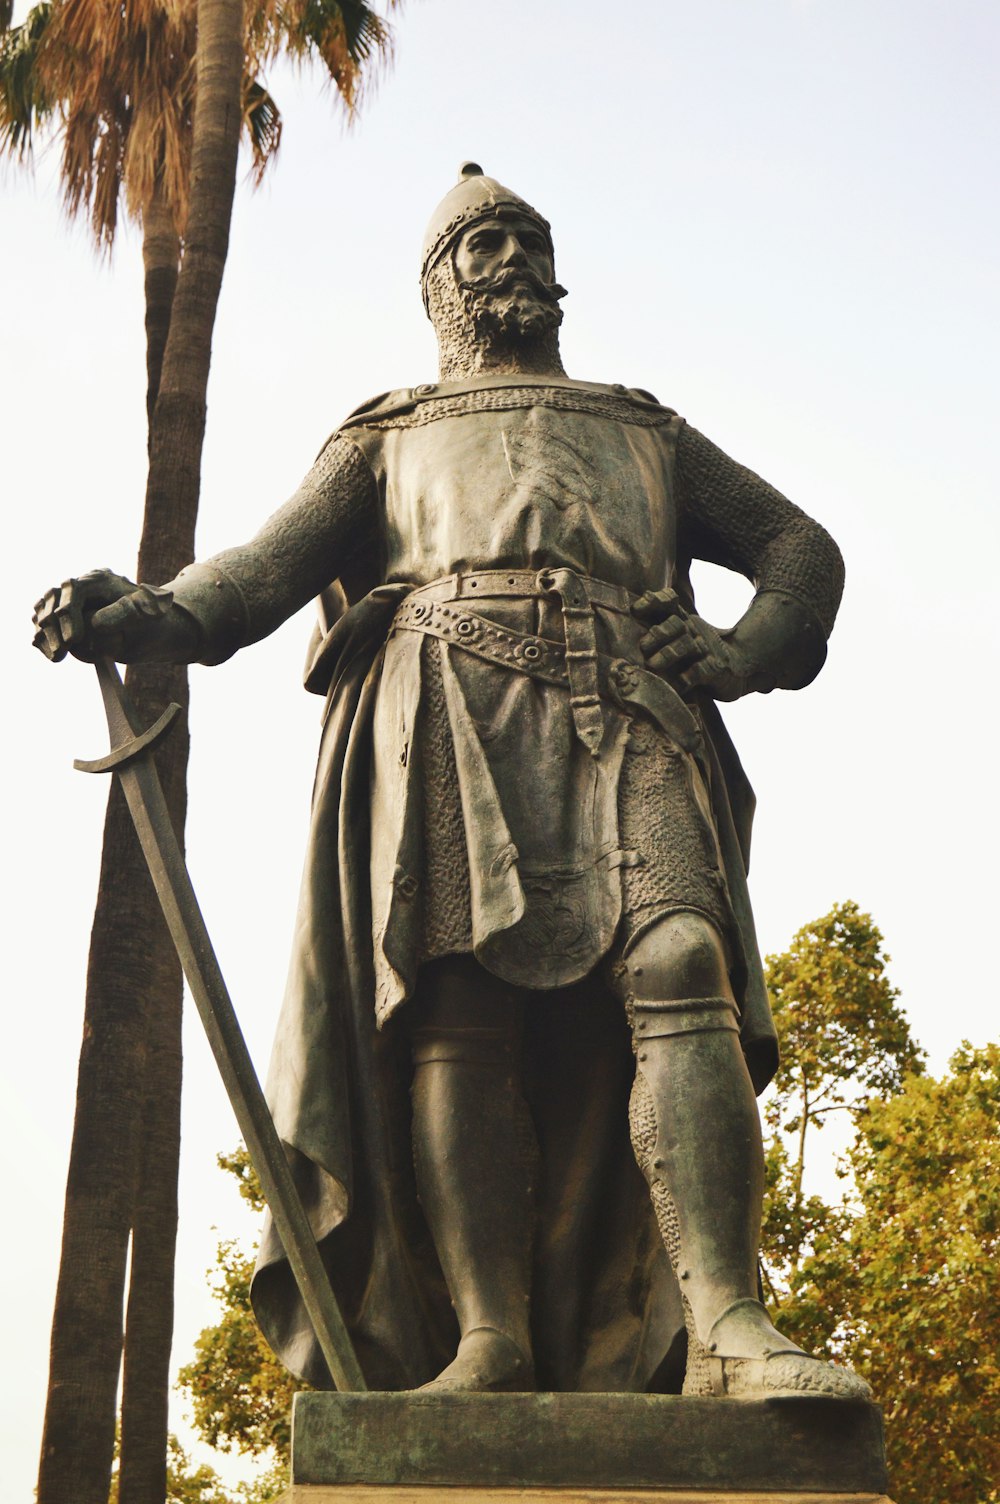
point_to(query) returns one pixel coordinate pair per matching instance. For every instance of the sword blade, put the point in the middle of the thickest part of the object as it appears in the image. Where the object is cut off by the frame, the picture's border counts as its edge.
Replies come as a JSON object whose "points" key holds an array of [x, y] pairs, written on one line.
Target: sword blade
{"points": [[142, 789]]}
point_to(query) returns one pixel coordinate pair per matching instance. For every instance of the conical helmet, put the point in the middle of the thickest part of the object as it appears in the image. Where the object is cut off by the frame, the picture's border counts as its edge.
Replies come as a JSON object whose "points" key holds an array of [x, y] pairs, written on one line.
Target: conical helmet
{"points": [[474, 197]]}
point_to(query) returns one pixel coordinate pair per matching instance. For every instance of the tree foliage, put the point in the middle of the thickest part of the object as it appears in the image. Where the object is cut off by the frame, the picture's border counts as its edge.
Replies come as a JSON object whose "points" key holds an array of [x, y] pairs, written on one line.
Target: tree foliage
{"points": [[190, 1482], [241, 1396], [914, 1278], [841, 1034], [196, 1483], [898, 1276], [842, 1038]]}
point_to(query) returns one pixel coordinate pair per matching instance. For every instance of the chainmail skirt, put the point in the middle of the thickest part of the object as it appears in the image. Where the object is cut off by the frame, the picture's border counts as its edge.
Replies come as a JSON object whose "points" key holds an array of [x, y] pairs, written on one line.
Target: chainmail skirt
{"points": [[671, 857]]}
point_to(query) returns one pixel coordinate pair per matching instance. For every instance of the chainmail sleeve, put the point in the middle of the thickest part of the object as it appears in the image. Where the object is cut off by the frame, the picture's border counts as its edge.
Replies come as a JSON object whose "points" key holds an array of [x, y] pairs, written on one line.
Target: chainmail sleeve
{"points": [[728, 515], [305, 544]]}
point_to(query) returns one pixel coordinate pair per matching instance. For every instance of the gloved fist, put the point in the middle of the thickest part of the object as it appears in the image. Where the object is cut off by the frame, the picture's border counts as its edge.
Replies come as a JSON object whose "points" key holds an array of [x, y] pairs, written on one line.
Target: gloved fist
{"points": [[688, 651], [98, 614]]}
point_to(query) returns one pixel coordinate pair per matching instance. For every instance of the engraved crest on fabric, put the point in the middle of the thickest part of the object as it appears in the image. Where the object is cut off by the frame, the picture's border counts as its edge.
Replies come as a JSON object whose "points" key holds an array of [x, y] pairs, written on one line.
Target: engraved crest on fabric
{"points": [[545, 464]]}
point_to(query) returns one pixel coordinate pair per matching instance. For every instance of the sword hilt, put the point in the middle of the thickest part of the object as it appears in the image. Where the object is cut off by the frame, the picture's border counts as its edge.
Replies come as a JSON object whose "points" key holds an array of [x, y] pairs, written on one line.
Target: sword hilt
{"points": [[127, 742]]}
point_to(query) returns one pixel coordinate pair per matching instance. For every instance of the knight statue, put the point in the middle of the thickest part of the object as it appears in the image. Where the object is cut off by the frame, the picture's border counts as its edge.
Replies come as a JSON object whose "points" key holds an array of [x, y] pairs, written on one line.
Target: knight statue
{"points": [[516, 1063]]}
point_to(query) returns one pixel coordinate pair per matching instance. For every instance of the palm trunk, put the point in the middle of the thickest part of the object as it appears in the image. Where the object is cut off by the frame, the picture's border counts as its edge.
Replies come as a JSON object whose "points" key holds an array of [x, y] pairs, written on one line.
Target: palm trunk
{"points": [[172, 493], [78, 1437], [149, 1319], [161, 250], [122, 1173], [149, 1322], [123, 1163]]}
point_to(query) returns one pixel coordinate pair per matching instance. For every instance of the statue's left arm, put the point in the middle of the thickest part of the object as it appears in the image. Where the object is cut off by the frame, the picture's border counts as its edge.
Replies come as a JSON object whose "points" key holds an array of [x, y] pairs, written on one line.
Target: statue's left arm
{"points": [[728, 515]]}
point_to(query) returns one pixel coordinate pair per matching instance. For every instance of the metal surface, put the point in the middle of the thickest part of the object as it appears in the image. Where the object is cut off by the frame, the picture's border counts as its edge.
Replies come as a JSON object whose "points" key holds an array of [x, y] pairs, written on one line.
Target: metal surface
{"points": [[119, 757], [131, 759]]}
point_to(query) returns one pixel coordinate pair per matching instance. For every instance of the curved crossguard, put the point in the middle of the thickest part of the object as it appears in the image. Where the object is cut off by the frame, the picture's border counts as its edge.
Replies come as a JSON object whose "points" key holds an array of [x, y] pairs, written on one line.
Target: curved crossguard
{"points": [[131, 759], [118, 757]]}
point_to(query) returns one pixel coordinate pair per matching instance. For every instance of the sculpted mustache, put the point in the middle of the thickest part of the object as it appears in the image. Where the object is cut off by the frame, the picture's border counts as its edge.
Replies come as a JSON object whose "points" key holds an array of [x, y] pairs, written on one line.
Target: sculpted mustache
{"points": [[510, 277]]}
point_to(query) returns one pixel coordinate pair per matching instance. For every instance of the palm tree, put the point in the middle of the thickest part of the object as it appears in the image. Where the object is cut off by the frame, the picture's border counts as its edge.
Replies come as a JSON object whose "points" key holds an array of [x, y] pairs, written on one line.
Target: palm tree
{"points": [[150, 120], [117, 81]]}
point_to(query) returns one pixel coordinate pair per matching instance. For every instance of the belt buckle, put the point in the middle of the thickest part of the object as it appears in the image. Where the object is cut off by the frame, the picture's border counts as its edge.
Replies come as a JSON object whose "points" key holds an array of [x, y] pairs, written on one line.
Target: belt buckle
{"points": [[569, 586]]}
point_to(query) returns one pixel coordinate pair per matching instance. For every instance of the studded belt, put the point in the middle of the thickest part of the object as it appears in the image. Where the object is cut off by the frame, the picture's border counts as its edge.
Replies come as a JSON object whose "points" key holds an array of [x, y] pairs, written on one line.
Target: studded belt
{"points": [[490, 583], [438, 609]]}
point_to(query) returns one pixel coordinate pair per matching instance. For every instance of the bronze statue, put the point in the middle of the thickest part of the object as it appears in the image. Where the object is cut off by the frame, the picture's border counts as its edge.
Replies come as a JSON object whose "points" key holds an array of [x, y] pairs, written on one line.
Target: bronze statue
{"points": [[524, 961]]}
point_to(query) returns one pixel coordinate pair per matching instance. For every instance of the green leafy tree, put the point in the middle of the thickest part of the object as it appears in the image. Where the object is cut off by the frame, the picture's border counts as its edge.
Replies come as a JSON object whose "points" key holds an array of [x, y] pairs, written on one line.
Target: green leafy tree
{"points": [[914, 1278], [191, 1482], [241, 1396], [843, 1039], [196, 1483]]}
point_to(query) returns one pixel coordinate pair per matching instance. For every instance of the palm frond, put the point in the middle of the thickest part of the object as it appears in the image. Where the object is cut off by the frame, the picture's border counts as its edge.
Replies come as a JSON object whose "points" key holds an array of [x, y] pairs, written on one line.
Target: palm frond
{"points": [[25, 102], [125, 76], [120, 77], [367, 34], [348, 38], [262, 123]]}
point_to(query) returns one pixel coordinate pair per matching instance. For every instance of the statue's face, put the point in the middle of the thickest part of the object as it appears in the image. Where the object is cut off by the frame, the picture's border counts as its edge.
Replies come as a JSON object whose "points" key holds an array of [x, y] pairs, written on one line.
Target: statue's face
{"points": [[494, 245], [504, 271]]}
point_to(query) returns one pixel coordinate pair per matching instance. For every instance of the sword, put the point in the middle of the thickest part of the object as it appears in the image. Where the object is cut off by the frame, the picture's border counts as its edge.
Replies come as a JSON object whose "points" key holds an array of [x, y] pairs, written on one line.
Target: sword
{"points": [[131, 760]]}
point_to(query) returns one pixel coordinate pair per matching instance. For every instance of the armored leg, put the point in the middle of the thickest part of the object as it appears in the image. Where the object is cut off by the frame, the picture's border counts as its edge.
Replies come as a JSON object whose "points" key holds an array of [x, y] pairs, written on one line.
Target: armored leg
{"points": [[475, 1159], [696, 1134]]}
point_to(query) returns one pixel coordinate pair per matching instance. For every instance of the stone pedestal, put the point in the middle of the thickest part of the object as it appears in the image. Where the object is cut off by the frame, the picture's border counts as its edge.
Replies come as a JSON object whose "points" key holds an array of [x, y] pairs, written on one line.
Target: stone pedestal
{"points": [[414, 1448]]}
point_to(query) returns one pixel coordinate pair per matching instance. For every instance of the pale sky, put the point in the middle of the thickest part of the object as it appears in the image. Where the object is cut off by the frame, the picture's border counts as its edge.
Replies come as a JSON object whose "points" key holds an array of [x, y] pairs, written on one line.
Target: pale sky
{"points": [[778, 215]]}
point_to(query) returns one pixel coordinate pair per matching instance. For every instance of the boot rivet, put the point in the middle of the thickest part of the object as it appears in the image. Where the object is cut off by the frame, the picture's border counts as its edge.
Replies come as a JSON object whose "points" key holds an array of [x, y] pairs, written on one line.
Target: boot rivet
{"points": [[642, 1054], [685, 1274], [767, 1352], [657, 1164], [712, 1346], [637, 972]]}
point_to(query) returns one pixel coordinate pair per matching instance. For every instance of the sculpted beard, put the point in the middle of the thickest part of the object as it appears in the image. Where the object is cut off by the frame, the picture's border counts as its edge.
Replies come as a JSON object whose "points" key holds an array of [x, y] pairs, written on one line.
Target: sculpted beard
{"points": [[516, 303]]}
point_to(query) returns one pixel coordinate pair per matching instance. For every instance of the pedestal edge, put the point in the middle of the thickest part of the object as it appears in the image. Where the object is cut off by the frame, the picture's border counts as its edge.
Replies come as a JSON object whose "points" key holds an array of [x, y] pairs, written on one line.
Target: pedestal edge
{"points": [[352, 1493]]}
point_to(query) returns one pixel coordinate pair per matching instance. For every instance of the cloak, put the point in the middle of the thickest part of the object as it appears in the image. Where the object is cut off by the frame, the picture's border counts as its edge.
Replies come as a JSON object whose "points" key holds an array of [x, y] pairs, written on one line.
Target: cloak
{"points": [[605, 1307]]}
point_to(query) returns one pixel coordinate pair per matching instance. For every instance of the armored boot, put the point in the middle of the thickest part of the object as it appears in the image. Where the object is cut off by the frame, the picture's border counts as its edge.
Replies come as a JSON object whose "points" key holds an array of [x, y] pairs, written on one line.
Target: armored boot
{"points": [[476, 1166], [696, 1135]]}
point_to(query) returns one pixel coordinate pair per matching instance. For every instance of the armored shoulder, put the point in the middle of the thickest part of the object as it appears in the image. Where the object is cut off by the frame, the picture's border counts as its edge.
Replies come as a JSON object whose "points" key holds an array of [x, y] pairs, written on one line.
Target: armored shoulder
{"points": [[366, 412]]}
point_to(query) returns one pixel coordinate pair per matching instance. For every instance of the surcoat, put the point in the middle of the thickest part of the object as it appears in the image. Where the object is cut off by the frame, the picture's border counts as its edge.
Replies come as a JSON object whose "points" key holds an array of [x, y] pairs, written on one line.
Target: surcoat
{"points": [[529, 488]]}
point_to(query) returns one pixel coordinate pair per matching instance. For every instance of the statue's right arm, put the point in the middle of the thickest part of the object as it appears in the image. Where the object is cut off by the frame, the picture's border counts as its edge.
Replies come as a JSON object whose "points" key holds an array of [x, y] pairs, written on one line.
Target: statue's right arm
{"points": [[216, 606]]}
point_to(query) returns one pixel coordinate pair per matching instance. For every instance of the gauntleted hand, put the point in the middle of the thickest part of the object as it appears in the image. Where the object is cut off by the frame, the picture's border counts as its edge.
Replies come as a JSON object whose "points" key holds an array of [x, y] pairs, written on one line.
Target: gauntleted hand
{"points": [[689, 652], [97, 614]]}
